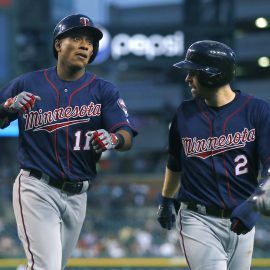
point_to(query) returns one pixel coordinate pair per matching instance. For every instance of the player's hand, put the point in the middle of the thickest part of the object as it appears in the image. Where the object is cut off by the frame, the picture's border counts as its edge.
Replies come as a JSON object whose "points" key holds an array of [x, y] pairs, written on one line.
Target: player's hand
{"points": [[244, 217], [102, 140], [165, 215], [238, 227], [23, 102], [261, 200]]}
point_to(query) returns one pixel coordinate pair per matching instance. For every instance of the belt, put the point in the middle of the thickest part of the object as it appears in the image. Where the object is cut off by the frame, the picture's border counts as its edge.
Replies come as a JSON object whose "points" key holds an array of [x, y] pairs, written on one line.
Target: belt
{"points": [[207, 210], [64, 185]]}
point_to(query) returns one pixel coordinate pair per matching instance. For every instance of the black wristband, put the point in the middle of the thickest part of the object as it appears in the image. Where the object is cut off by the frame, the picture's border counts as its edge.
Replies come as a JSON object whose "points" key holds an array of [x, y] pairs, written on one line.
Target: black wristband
{"points": [[121, 140], [3, 111], [166, 200]]}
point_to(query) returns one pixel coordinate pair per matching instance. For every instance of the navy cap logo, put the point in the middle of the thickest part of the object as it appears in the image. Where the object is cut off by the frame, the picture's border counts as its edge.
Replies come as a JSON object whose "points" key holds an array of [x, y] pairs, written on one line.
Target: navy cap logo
{"points": [[61, 27], [84, 21]]}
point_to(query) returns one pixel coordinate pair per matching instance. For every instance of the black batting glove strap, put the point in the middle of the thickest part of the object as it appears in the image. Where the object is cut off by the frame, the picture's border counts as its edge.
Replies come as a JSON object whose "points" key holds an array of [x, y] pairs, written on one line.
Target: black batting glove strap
{"points": [[121, 140], [165, 215]]}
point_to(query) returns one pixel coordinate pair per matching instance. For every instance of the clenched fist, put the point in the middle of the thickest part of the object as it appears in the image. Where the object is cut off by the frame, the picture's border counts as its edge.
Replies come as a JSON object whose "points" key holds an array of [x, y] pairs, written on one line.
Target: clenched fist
{"points": [[23, 102], [102, 140], [165, 215]]}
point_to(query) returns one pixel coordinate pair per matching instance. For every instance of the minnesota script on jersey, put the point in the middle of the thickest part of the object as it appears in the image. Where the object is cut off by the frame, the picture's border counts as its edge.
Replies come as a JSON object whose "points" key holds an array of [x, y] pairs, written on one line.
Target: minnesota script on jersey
{"points": [[67, 111], [222, 143]]}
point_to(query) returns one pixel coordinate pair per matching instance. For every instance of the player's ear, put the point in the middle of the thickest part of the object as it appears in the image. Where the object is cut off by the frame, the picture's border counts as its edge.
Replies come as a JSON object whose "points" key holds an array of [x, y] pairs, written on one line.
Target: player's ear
{"points": [[57, 45]]}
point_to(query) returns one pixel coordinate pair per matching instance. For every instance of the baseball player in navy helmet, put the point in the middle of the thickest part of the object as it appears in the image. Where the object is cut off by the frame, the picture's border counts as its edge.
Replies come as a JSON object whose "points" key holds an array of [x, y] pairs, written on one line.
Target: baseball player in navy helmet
{"points": [[217, 144], [67, 117]]}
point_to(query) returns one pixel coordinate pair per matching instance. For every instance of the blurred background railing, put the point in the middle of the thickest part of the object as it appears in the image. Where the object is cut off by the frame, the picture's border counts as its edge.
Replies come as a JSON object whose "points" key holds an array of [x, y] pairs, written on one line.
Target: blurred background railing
{"points": [[142, 40]]}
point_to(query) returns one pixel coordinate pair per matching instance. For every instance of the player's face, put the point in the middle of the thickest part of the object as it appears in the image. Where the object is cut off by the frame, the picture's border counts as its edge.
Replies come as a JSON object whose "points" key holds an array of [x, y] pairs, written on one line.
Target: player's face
{"points": [[76, 49], [197, 90], [192, 80]]}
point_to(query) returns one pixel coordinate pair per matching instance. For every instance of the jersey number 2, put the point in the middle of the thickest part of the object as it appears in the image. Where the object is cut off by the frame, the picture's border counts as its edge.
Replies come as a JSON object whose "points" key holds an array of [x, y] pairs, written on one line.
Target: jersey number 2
{"points": [[241, 165], [77, 146]]}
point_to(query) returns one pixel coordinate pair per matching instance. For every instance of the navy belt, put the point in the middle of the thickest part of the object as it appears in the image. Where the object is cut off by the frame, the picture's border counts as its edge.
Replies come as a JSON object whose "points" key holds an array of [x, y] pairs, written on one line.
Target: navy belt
{"points": [[64, 185], [208, 210]]}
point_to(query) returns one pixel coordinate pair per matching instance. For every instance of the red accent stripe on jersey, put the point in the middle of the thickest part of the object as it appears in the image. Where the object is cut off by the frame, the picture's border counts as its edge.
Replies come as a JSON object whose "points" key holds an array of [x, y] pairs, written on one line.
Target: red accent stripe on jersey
{"points": [[24, 227], [53, 127], [182, 237], [228, 183], [55, 137], [235, 112], [209, 153], [224, 161], [69, 104], [205, 115]]}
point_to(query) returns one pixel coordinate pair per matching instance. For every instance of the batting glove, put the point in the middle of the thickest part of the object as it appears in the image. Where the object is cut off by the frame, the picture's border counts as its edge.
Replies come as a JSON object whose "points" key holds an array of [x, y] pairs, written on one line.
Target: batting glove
{"points": [[262, 199], [165, 215], [23, 102], [102, 140]]}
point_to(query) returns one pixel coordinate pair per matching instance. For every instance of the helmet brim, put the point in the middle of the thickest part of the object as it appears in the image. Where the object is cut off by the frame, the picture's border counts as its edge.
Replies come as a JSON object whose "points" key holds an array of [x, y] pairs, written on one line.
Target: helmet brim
{"points": [[188, 65], [97, 34]]}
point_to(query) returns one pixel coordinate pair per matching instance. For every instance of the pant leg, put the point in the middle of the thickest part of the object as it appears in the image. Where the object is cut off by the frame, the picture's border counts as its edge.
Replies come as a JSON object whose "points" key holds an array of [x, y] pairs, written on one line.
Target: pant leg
{"points": [[199, 242], [73, 219], [38, 222], [242, 254]]}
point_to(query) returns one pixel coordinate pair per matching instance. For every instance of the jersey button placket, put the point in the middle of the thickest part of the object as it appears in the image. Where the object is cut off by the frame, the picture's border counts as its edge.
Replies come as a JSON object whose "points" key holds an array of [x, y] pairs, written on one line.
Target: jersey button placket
{"points": [[217, 126]]}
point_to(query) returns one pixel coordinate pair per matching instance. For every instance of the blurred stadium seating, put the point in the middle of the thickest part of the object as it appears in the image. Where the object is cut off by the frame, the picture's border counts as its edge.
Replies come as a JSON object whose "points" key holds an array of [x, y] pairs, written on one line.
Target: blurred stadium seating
{"points": [[120, 229]]}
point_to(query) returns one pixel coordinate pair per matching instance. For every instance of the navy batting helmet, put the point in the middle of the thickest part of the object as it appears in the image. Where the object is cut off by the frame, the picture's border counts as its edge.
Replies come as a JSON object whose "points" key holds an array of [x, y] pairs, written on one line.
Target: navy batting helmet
{"points": [[73, 22], [214, 61]]}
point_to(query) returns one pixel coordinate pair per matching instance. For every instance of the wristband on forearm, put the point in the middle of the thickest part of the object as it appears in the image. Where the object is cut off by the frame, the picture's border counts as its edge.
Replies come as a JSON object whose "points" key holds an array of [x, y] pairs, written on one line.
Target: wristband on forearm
{"points": [[3, 111], [166, 200], [121, 140]]}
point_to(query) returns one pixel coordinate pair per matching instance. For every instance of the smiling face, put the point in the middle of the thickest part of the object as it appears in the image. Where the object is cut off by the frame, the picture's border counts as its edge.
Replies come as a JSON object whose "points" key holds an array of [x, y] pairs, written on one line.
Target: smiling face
{"points": [[74, 49]]}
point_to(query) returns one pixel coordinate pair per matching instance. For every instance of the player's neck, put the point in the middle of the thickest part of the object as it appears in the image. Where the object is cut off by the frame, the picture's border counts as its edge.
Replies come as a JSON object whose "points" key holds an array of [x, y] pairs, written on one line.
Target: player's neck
{"points": [[220, 97], [67, 74]]}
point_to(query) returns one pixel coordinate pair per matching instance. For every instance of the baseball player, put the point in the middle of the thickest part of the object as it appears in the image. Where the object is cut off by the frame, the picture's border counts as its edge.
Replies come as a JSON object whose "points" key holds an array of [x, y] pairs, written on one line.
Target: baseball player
{"points": [[216, 145], [67, 117]]}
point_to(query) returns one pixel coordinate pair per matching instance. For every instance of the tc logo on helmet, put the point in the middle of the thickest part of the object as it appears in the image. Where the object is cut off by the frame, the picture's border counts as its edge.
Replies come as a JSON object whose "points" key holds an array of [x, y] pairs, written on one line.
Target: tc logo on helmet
{"points": [[84, 21]]}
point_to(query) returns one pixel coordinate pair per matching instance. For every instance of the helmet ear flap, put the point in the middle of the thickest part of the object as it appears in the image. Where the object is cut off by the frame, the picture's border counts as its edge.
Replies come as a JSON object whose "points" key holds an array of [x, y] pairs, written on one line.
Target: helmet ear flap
{"points": [[210, 80]]}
